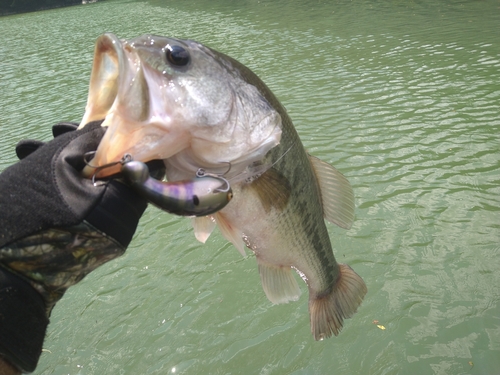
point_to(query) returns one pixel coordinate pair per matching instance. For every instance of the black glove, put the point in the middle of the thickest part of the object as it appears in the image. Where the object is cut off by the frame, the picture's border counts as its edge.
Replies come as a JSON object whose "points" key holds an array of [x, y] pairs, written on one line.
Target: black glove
{"points": [[28, 146], [23, 322], [46, 190], [42, 191]]}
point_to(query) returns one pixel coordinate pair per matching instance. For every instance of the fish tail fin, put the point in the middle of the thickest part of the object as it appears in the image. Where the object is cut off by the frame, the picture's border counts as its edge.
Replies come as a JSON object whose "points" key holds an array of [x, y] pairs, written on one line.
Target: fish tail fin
{"points": [[328, 312]]}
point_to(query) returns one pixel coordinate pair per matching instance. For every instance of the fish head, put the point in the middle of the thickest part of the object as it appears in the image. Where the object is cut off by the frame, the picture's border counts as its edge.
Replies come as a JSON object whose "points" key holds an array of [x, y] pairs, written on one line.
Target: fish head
{"points": [[171, 99]]}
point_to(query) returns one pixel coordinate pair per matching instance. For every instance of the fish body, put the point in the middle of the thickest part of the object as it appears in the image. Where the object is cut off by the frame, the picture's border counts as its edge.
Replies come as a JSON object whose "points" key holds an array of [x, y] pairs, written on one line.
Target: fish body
{"points": [[222, 114]]}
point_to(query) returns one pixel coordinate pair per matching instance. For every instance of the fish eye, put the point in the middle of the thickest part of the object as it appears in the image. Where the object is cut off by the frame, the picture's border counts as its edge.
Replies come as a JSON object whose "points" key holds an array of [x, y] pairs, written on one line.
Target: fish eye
{"points": [[177, 55]]}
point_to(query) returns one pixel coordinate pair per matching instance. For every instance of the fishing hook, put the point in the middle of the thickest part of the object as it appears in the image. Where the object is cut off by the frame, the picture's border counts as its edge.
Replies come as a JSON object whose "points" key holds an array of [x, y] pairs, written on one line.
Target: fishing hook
{"points": [[125, 159], [202, 173]]}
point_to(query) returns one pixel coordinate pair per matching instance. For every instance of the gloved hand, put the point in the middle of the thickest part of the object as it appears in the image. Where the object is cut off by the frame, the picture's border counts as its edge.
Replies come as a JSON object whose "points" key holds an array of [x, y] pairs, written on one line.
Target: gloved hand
{"points": [[41, 192], [45, 190]]}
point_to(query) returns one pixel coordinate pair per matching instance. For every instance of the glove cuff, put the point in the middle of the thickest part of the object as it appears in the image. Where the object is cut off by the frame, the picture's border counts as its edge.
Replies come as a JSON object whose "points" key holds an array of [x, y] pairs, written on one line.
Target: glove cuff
{"points": [[23, 321]]}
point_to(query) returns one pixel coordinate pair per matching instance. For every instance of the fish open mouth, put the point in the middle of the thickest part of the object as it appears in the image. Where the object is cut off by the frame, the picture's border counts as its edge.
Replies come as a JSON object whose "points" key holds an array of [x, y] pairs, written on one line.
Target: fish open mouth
{"points": [[103, 86], [109, 61], [119, 94]]}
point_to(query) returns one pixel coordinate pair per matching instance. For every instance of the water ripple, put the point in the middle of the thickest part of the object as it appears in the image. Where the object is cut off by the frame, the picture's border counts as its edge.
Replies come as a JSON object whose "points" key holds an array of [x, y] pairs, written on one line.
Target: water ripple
{"points": [[401, 97]]}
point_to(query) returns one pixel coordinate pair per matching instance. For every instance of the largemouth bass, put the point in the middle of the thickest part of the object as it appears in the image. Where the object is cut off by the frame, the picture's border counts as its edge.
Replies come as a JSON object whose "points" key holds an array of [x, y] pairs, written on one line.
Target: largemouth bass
{"points": [[193, 107]]}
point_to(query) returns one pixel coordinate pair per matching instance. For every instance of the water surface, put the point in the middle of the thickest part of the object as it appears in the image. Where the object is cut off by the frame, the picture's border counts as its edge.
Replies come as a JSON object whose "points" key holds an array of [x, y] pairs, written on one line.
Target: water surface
{"points": [[401, 96]]}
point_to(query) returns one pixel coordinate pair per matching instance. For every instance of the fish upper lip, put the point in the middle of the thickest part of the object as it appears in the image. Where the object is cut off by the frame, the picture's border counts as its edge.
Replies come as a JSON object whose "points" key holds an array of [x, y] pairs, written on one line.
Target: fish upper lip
{"points": [[115, 65], [108, 56]]}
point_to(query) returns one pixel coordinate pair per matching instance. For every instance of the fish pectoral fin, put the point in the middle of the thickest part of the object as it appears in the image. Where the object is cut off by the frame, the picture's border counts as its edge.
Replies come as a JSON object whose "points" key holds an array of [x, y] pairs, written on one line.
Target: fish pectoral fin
{"points": [[230, 232], [203, 227], [278, 282], [273, 190], [336, 194], [328, 311]]}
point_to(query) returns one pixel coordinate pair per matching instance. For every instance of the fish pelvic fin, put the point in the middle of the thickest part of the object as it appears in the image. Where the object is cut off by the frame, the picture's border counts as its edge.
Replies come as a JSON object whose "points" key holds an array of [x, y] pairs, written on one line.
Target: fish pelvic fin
{"points": [[278, 283], [336, 194], [203, 227], [327, 312], [230, 232]]}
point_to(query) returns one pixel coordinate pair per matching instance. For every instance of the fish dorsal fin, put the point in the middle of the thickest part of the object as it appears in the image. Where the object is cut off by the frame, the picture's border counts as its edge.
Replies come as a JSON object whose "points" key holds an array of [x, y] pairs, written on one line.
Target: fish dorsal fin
{"points": [[278, 282], [230, 232], [203, 227], [336, 194]]}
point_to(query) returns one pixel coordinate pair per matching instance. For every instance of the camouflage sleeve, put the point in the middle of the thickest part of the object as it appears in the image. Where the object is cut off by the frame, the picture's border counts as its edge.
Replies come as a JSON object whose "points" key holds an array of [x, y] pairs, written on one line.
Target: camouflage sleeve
{"points": [[55, 259]]}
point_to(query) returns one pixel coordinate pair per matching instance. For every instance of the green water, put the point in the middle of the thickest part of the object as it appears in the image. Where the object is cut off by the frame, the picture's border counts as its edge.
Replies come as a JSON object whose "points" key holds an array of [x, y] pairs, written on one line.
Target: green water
{"points": [[403, 97]]}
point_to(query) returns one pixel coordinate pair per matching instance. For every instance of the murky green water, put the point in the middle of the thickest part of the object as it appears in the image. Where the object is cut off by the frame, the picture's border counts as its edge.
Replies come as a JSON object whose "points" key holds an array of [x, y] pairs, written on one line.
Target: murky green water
{"points": [[402, 96]]}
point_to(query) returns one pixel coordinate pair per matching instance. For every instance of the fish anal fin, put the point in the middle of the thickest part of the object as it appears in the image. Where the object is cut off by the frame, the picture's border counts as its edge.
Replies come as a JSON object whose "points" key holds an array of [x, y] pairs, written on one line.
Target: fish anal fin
{"points": [[203, 226], [230, 232], [278, 282], [327, 312], [272, 188], [336, 194]]}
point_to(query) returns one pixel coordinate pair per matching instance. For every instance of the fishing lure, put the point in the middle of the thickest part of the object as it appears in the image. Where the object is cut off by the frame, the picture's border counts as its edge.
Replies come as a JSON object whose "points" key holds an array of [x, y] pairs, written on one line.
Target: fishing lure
{"points": [[204, 195]]}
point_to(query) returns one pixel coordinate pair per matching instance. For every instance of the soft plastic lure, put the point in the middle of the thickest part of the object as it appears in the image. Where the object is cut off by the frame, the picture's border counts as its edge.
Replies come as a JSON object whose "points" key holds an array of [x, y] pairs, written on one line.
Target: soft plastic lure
{"points": [[201, 196]]}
